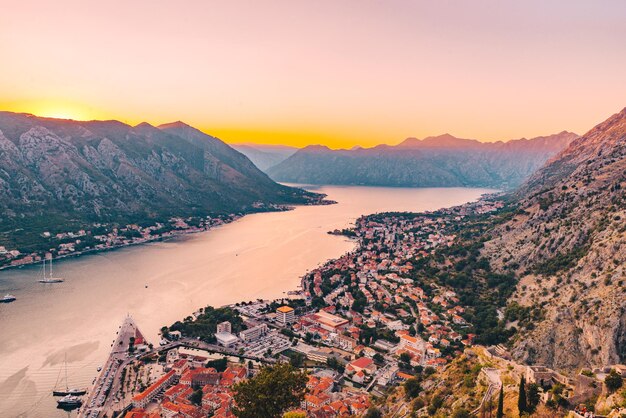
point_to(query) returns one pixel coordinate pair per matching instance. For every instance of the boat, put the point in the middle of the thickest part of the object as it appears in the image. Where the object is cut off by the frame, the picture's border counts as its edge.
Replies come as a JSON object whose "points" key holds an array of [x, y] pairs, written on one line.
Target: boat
{"points": [[8, 298], [70, 401], [49, 279], [73, 392], [99, 368], [68, 392]]}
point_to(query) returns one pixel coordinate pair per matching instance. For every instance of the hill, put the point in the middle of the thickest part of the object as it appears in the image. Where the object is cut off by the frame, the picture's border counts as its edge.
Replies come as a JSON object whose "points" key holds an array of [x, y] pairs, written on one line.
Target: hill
{"points": [[265, 156], [57, 173], [442, 161], [566, 242]]}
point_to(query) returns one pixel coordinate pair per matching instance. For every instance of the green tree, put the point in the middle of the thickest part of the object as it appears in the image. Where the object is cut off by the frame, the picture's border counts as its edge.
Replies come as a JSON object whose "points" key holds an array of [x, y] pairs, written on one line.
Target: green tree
{"points": [[461, 413], [613, 381], [500, 411], [196, 397], [218, 364], [521, 400], [533, 396], [274, 390], [412, 388], [373, 412]]}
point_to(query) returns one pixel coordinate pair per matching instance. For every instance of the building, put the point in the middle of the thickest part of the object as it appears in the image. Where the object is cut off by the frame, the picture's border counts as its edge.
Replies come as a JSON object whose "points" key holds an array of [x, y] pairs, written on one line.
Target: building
{"points": [[253, 333], [329, 321], [286, 315], [224, 327], [363, 364], [226, 339], [145, 397]]}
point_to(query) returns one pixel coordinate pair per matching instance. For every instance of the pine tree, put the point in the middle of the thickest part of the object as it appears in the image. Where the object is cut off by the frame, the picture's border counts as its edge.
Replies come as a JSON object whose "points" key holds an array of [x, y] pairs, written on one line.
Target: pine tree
{"points": [[521, 401], [500, 412]]}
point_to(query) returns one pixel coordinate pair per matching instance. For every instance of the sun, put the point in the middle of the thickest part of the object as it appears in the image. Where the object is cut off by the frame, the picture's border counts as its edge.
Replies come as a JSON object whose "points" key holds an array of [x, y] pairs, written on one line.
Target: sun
{"points": [[61, 111]]}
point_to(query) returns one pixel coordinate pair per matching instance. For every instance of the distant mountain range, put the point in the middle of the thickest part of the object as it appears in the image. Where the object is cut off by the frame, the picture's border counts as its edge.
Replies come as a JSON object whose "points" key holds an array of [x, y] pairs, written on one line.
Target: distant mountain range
{"points": [[265, 156], [56, 171], [566, 241], [440, 161]]}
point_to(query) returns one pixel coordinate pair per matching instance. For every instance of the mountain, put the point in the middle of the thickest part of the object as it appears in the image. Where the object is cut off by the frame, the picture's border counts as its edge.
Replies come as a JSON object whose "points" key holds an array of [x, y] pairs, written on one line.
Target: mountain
{"points": [[265, 156], [567, 243], [54, 172], [441, 161]]}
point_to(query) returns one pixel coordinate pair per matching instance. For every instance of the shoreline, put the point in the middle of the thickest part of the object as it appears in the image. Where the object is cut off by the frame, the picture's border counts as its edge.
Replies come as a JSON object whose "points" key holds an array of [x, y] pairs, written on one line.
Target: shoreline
{"points": [[175, 234]]}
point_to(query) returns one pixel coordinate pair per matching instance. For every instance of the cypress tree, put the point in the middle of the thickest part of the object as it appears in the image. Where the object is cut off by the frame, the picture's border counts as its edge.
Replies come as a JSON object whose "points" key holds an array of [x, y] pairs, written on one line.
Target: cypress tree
{"points": [[521, 401], [500, 412]]}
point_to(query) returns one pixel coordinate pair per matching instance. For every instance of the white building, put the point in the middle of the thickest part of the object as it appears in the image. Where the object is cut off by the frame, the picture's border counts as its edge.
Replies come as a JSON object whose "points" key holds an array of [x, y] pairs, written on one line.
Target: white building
{"points": [[253, 333], [226, 339], [286, 315]]}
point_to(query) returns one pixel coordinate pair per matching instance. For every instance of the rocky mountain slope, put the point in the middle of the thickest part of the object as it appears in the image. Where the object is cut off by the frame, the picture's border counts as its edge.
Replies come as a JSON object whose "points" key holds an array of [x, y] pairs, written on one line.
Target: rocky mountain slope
{"points": [[59, 171], [567, 242], [265, 156], [442, 161]]}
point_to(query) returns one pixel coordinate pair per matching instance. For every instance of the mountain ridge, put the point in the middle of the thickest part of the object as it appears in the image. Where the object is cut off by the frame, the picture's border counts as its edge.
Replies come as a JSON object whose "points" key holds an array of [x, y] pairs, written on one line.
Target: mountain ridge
{"points": [[108, 171], [566, 243], [442, 161]]}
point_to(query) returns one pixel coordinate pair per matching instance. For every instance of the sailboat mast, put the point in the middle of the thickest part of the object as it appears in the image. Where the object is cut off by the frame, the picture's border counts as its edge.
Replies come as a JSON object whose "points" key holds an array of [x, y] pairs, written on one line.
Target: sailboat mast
{"points": [[67, 386]]}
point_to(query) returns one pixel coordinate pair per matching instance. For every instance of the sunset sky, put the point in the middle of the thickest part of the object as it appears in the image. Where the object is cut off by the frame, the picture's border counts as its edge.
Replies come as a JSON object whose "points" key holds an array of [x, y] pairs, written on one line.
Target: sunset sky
{"points": [[333, 72]]}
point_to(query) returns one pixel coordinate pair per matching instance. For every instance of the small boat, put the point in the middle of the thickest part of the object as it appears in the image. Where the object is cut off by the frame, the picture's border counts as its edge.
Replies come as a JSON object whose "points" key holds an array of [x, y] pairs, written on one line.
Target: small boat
{"points": [[49, 279], [99, 368], [69, 401], [8, 298]]}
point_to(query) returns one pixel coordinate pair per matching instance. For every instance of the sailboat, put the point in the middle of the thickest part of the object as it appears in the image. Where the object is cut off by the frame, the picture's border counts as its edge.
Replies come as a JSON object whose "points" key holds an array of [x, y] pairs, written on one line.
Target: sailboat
{"points": [[67, 393], [46, 278]]}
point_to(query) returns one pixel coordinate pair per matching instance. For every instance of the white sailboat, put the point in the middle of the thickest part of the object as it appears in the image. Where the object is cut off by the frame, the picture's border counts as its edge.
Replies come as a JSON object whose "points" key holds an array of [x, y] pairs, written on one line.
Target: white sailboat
{"points": [[48, 278]]}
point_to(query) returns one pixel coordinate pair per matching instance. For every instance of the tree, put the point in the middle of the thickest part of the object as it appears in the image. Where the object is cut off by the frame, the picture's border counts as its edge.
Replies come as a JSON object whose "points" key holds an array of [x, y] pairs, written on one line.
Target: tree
{"points": [[274, 390], [533, 397], [412, 388], [196, 397], [521, 400], [500, 411], [218, 364], [373, 412], [613, 381], [461, 413]]}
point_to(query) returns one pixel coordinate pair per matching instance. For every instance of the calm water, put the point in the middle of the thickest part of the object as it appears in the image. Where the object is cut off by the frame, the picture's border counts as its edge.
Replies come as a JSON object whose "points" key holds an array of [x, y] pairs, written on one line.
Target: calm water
{"points": [[258, 256]]}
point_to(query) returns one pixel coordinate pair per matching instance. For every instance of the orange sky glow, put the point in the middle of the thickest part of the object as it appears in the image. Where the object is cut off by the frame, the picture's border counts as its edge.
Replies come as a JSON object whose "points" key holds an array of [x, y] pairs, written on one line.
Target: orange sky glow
{"points": [[338, 73]]}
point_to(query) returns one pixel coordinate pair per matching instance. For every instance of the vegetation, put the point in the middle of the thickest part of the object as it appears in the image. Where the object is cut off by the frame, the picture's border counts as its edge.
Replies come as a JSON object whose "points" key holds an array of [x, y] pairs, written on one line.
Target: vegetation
{"points": [[219, 364], [500, 411], [412, 388], [196, 397], [613, 381], [373, 412], [522, 405], [205, 325], [274, 390], [481, 290]]}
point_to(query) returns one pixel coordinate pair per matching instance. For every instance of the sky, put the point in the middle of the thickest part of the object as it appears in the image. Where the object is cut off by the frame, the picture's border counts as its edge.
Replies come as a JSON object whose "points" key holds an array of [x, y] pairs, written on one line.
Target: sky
{"points": [[333, 72]]}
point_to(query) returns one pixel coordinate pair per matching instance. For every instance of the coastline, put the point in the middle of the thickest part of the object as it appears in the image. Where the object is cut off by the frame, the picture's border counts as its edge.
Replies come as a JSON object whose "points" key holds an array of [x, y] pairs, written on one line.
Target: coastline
{"points": [[176, 233]]}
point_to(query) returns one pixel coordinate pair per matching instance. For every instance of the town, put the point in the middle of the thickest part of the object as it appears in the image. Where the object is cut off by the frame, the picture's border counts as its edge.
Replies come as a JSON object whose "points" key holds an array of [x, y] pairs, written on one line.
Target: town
{"points": [[360, 325]]}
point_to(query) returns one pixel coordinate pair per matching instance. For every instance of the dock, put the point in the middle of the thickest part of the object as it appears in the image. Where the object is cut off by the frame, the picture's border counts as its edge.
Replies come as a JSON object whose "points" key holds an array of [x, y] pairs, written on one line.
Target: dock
{"points": [[101, 398]]}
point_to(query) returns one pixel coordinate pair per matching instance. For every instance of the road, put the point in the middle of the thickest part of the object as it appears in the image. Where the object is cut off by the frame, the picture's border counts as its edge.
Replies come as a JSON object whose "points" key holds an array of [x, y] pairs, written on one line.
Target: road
{"points": [[493, 377], [101, 396]]}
